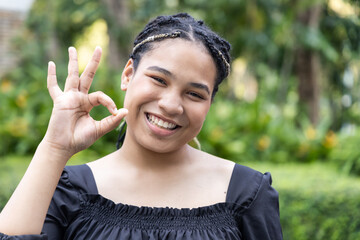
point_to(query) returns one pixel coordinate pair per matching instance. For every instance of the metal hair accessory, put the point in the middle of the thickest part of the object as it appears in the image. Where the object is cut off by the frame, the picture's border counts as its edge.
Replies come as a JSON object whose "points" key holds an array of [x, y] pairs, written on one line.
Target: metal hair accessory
{"points": [[156, 37]]}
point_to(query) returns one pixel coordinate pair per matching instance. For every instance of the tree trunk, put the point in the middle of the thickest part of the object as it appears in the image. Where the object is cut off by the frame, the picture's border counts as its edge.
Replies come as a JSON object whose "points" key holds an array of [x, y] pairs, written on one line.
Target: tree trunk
{"points": [[118, 19], [307, 67]]}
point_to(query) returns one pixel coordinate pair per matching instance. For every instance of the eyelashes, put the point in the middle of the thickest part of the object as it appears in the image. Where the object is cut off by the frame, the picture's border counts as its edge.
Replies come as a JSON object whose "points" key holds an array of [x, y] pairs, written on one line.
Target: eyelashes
{"points": [[161, 81], [192, 94]]}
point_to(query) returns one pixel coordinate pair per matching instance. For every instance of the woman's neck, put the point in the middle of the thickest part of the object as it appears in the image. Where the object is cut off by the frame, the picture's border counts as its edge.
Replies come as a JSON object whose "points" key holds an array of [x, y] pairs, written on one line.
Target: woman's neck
{"points": [[144, 158]]}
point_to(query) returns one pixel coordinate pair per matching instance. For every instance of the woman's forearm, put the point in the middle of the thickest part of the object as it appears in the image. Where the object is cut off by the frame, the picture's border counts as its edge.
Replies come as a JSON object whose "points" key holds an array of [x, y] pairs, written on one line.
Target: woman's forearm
{"points": [[26, 210]]}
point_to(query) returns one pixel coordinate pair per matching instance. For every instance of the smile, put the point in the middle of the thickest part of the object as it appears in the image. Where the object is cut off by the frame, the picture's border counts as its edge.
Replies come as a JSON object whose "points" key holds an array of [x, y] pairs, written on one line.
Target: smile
{"points": [[160, 122]]}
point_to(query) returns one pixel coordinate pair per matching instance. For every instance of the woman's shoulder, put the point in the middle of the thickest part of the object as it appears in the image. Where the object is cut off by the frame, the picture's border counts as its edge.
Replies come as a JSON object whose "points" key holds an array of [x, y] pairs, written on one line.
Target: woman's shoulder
{"points": [[214, 164], [244, 183], [79, 178], [251, 189]]}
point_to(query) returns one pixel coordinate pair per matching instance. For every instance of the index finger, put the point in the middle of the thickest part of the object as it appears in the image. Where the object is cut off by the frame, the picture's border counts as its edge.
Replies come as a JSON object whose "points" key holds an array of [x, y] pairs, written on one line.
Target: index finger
{"points": [[88, 75]]}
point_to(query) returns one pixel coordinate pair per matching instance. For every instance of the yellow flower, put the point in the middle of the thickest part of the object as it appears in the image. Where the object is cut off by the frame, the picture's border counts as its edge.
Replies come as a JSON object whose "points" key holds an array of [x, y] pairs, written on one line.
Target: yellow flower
{"points": [[310, 133], [330, 140], [263, 143], [21, 100], [6, 86]]}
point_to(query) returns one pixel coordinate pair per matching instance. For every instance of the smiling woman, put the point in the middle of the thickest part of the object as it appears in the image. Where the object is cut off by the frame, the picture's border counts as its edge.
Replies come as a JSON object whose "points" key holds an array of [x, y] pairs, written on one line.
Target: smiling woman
{"points": [[155, 186]]}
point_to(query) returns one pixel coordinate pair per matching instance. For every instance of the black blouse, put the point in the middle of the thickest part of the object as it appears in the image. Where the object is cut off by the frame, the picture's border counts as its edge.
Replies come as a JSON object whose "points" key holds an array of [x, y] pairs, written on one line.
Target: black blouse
{"points": [[77, 211]]}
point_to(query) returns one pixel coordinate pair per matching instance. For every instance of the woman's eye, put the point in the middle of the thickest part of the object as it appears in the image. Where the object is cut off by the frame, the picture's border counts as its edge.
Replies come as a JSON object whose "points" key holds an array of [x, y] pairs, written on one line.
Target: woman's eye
{"points": [[159, 80], [194, 94]]}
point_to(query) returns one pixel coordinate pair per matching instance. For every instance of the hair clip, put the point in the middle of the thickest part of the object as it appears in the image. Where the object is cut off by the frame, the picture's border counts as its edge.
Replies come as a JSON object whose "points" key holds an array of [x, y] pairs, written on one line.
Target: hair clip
{"points": [[225, 61], [156, 37]]}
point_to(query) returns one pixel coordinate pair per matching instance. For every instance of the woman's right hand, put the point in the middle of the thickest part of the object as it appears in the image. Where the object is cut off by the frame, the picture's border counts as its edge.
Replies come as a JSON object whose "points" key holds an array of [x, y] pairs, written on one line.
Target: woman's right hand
{"points": [[71, 128]]}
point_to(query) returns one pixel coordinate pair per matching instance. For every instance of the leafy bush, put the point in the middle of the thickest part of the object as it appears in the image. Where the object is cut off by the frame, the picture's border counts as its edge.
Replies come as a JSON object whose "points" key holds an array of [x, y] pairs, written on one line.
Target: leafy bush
{"points": [[330, 214], [316, 202], [260, 131], [346, 154]]}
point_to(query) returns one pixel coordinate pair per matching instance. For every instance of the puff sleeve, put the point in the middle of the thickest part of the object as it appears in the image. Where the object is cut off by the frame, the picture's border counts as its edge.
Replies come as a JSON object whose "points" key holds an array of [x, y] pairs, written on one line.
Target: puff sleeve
{"points": [[64, 205], [258, 217]]}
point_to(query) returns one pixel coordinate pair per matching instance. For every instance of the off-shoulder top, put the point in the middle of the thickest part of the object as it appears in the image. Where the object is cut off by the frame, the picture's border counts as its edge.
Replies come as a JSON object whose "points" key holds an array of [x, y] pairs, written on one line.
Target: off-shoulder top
{"points": [[78, 211]]}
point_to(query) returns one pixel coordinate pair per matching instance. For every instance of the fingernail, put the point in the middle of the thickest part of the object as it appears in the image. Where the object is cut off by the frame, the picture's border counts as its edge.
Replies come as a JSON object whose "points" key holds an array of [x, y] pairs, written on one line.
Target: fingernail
{"points": [[115, 111], [123, 110]]}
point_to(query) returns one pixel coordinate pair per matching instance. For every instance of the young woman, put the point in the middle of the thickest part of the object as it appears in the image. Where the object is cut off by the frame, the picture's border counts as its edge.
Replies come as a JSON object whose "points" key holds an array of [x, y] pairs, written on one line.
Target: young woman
{"points": [[155, 186]]}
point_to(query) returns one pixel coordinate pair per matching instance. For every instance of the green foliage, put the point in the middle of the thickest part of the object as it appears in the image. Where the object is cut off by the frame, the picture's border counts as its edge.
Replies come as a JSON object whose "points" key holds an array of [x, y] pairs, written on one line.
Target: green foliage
{"points": [[315, 215], [26, 105], [271, 128], [261, 131], [12, 168], [316, 202], [346, 154]]}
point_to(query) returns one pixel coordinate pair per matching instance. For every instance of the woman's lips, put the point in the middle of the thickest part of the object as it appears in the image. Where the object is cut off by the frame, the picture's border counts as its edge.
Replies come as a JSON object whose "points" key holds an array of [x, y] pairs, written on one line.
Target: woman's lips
{"points": [[160, 122], [160, 126]]}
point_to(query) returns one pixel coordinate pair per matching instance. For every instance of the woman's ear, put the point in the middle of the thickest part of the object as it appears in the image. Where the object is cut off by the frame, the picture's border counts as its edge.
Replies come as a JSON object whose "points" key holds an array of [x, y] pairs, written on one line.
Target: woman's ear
{"points": [[127, 74]]}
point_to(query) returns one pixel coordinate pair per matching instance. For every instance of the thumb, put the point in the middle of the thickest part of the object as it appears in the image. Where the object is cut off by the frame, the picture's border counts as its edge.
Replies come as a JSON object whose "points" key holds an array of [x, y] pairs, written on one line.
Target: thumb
{"points": [[111, 122]]}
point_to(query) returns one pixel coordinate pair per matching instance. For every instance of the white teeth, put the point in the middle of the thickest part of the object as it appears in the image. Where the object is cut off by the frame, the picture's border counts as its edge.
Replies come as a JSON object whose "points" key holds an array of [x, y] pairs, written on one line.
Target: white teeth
{"points": [[161, 123]]}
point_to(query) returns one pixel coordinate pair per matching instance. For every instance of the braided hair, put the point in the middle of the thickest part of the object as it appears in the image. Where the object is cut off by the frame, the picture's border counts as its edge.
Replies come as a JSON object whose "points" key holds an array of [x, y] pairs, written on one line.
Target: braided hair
{"points": [[183, 26]]}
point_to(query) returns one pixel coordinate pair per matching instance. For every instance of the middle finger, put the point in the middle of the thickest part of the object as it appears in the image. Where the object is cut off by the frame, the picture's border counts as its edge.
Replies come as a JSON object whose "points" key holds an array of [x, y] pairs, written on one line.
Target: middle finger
{"points": [[72, 81]]}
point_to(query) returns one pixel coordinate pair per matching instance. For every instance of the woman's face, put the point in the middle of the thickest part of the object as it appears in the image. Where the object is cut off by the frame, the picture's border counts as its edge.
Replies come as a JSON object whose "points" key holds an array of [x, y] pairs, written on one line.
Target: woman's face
{"points": [[169, 95]]}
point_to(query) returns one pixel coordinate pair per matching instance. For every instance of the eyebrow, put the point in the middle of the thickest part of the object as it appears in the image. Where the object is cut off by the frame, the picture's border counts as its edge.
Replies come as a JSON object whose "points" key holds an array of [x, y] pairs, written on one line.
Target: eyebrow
{"points": [[168, 73], [160, 69], [201, 86]]}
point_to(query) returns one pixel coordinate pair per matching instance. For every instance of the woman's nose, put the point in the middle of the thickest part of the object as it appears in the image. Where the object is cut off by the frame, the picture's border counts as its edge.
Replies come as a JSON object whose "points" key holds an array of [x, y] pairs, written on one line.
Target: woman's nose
{"points": [[171, 103]]}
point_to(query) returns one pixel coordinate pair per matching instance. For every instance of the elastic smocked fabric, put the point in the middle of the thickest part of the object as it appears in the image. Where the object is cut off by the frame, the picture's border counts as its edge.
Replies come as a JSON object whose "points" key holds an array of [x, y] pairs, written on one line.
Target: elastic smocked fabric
{"points": [[23, 237], [77, 211]]}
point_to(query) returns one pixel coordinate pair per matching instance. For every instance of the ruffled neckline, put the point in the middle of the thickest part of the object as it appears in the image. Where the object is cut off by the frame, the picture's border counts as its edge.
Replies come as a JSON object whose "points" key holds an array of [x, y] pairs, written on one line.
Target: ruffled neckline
{"points": [[98, 198], [95, 207]]}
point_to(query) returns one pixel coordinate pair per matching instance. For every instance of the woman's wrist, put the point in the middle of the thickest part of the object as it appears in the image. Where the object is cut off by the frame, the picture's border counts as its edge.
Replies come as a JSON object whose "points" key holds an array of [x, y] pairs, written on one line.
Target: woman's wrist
{"points": [[54, 151]]}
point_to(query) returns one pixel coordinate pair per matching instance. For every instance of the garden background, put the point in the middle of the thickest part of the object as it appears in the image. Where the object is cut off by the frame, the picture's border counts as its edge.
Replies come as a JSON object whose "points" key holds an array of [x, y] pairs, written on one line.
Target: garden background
{"points": [[291, 105]]}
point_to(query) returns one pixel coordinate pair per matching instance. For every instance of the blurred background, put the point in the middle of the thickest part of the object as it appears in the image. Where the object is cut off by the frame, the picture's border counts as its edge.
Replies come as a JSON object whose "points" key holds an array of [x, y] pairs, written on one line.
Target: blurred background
{"points": [[291, 105]]}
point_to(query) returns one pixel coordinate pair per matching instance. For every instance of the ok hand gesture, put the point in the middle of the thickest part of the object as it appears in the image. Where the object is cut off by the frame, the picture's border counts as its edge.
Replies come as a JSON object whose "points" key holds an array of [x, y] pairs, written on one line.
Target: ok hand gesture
{"points": [[71, 128]]}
